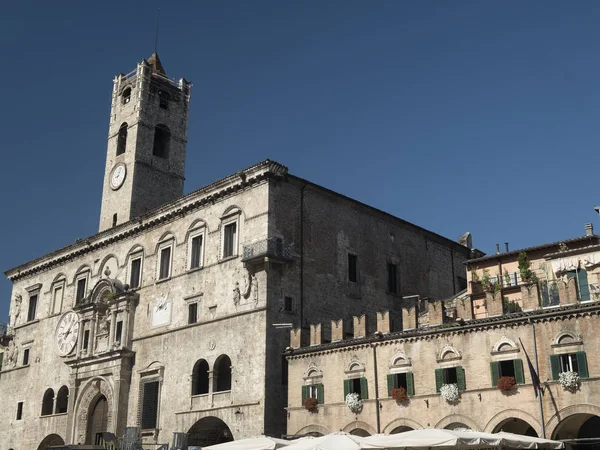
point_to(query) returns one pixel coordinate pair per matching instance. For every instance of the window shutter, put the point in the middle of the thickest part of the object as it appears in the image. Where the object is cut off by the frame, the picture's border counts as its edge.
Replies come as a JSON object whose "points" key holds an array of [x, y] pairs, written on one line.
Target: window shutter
{"points": [[439, 379], [346, 388], [460, 379], [321, 393], [150, 405], [304, 393], [519, 374], [582, 365], [410, 384], [364, 393], [390, 382], [555, 366], [495, 372]]}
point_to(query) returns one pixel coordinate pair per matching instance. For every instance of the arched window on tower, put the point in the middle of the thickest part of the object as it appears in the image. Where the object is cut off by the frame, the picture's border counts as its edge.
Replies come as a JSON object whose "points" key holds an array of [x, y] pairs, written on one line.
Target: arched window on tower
{"points": [[162, 139], [122, 139], [222, 375], [48, 402], [126, 96], [163, 99], [200, 378], [62, 400]]}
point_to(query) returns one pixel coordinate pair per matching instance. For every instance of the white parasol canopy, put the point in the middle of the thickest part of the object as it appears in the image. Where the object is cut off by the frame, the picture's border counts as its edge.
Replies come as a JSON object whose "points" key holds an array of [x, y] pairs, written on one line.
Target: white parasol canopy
{"points": [[451, 439], [332, 441], [253, 443]]}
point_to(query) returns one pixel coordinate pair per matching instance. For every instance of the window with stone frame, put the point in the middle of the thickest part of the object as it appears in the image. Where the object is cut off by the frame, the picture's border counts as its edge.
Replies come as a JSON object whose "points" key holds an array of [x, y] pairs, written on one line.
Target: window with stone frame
{"points": [[58, 291], [230, 239], [507, 368], [126, 95], [352, 268], [81, 283], [196, 249], [401, 380], [450, 375], [162, 141], [122, 139], [569, 362], [165, 258], [32, 308], [313, 386], [135, 270]]}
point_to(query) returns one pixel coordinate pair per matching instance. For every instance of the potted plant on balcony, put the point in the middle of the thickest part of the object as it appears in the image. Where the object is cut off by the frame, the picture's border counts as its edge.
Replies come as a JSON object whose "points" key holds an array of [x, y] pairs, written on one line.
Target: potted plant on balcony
{"points": [[527, 275], [570, 381], [450, 392], [354, 402], [506, 384], [311, 404], [399, 394]]}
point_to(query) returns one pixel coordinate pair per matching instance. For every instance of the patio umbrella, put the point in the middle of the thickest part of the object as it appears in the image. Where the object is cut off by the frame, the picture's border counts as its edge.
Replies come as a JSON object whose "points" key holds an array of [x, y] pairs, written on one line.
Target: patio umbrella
{"points": [[332, 441], [253, 443], [539, 442]]}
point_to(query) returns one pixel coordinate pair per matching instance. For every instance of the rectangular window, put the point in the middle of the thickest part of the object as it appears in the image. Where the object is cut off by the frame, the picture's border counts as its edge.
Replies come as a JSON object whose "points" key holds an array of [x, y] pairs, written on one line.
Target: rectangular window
{"points": [[81, 287], [401, 380], [135, 273], [33, 299], [569, 362], [511, 368], [149, 405], [356, 385], [196, 251], [86, 339], [229, 240], [313, 391], [57, 297], [392, 280], [192, 313], [119, 331], [288, 304], [19, 410], [450, 375], [352, 273], [26, 357], [165, 263]]}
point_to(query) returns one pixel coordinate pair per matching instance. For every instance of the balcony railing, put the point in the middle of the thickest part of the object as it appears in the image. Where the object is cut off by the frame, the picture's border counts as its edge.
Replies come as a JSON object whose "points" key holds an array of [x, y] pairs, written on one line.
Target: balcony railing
{"points": [[268, 248]]}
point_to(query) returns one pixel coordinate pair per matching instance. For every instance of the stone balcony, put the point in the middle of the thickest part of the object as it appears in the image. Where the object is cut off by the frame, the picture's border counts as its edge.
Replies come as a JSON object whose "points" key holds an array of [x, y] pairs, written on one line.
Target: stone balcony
{"points": [[267, 249]]}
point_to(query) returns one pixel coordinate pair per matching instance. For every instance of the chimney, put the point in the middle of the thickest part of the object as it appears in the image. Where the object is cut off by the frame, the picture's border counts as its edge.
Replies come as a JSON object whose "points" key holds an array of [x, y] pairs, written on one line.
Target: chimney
{"points": [[506, 246], [497, 249], [589, 229]]}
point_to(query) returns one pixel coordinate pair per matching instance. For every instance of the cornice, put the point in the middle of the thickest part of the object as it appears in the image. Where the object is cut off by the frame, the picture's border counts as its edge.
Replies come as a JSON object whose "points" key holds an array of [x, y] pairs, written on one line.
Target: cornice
{"points": [[204, 196]]}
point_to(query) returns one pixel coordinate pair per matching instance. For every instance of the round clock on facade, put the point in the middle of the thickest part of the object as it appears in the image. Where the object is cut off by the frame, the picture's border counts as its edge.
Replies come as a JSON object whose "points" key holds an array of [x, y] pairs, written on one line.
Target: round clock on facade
{"points": [[66, 333], [117, 176]]}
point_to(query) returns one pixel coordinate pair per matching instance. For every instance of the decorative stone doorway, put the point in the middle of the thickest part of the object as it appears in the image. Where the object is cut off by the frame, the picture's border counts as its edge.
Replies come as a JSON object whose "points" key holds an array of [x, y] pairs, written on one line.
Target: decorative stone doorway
{"points": [[97, 422], [94, 411], [51, 440], [209, 431]]}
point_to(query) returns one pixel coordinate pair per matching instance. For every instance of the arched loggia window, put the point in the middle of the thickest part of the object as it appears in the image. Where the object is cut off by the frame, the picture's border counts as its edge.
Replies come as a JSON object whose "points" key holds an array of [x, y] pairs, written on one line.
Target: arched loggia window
{"points": [[122, 139], [162, 141], [62, 400], [200, 378], [222, 374], [126, 96], [48, 402]]}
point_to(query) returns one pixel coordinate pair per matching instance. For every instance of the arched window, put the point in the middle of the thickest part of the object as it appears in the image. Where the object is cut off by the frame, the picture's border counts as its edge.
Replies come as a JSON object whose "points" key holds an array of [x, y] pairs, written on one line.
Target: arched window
{"points": [[164, 98], [62, 400], [200, 378], [122, 139], [162, 139], [48, 402], [222, 374], [126, 96]]}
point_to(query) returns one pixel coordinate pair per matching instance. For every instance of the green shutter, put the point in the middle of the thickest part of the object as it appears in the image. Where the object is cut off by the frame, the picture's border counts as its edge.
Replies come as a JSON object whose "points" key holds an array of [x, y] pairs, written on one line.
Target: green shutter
{"points": [[1, 358], [320, 394], [519, 374], [460, 379], [439, 379], [346, 388], [410, 384], [390, 383], [364, 393], [582, 365], [495, 372], [555, 366], [304, 393]]}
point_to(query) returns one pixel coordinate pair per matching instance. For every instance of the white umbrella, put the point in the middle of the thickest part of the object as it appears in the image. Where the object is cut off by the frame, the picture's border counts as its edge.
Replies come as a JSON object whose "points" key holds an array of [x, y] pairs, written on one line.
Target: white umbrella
{"points": [[539, 442], [253, 443], [332, 441]]}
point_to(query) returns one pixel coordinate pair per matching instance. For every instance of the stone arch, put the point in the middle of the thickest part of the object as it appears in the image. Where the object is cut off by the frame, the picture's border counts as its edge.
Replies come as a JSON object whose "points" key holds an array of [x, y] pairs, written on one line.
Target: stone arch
{"points": [[513, 414], [50, 441], [59, 277], [106, 262], [135, 248], [358, 424], [399, 359], [95, 388], [355, 365], [222, 374], [104, 286], [567, 337], [501, 344], [166, 236], [401, 422], [454, 418], [209, 430], [448, 352], [554, 422], [81, 269], [313, 428], [231, 210], [312, 371], [198, 223]]}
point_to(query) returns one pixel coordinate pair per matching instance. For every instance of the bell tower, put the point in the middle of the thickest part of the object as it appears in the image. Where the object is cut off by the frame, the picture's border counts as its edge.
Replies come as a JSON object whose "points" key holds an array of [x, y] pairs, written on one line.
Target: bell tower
{"points": [[145, 156]]}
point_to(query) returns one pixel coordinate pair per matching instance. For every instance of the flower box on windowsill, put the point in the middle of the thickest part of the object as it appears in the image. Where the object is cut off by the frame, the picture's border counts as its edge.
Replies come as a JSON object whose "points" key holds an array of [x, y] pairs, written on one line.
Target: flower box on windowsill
{"points": [[506, 384]]}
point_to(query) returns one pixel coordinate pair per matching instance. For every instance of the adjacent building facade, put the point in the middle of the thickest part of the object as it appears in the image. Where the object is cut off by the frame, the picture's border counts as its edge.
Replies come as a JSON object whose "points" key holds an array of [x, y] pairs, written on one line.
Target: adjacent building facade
{"points": [[164, 319], [477, 341]]}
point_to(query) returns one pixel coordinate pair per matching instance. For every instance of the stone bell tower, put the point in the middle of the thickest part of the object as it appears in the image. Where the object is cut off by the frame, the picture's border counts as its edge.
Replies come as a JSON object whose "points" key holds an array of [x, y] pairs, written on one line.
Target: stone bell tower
{"points": [[145, 157]]}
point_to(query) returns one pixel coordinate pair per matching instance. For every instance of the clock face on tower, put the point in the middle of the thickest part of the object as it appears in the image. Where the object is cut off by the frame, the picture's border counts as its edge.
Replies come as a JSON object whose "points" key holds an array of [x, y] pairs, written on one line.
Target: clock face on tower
{"points": [[66, 333], [117, 176]]}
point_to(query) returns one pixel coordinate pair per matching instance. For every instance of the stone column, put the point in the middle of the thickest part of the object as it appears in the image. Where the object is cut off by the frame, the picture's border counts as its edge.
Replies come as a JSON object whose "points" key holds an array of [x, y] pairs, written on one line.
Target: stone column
{"points": [[493, 304], [113, 325], [125, 335], [211, 375], [92, 342]]}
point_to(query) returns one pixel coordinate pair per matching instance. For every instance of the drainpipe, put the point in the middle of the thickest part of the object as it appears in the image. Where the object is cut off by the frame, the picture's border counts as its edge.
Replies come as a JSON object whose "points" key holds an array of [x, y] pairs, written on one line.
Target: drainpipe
{"points": [[302, 255], [377, 404]]}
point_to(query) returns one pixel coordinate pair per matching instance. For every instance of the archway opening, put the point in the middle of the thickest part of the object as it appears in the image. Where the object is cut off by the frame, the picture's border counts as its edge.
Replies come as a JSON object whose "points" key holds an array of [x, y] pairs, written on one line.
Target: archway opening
{"points": [[360, 432], [401, 429], [50, 441], [200, 378], [457, 426], [209, 431], [97, 422], [516, 426], [579, 426], [222, 374], [48, 402]]}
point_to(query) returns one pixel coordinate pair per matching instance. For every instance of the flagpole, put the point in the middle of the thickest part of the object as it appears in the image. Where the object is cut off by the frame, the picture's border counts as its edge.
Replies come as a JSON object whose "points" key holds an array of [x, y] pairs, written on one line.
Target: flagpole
{"points": [[537, 370]]}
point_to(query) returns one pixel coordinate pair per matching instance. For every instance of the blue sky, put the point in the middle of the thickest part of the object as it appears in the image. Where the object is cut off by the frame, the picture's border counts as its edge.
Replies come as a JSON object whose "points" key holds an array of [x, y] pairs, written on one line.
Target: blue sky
{"points": [[457, 116]]}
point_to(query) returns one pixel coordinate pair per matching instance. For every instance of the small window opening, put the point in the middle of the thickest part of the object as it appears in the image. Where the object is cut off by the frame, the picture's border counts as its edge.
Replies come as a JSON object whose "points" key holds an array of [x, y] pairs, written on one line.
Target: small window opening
{"points": [[165, 263], [114, 220], [196, 256], [164, 98], [150, 405], [392, 271], [26, 357], [288, 304], [81, 285], [48, 403], [32, 308], [86, 339], [400, 380], [354, 386], [134, 279], [568, 363], [122, 139], [119, 331], [507, 369], [62, 400], [162, 139], [19, 410], [229, 240], [126, 96], [192, 313], [450, 376], [352, 274]]}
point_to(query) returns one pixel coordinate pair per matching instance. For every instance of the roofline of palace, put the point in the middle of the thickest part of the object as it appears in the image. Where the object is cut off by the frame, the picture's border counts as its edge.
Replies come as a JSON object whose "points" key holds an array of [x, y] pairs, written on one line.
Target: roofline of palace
{"points": [[474, 325], [267, 169]]}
